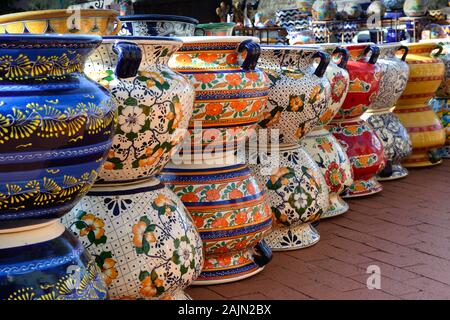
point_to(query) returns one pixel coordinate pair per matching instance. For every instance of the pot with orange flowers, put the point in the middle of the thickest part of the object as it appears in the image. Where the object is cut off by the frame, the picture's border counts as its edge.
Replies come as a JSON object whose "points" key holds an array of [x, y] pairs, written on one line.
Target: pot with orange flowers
{"points": [[359, 140]]}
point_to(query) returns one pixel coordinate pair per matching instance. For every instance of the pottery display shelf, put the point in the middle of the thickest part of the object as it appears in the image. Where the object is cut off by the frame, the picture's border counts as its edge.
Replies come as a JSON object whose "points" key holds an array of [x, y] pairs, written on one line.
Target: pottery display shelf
{"points": [[413, 109], [358, 138], [221, 193], [396, 142]]}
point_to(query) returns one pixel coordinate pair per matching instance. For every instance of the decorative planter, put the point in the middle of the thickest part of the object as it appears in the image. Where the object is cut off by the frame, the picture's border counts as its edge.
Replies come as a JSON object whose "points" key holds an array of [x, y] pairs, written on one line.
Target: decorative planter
{"points": [[393, 5], [424, 127], [442, 108], [297, 192], [215, 29], [320, 143], [154, 105], [144, 25], [358, 139], [230, 96], [232, 214], [323, 10], [88, 21], [55, 126], [299, 92], [415, 8], [142, 238], [393, 135], [345, 31], [47, 263]]}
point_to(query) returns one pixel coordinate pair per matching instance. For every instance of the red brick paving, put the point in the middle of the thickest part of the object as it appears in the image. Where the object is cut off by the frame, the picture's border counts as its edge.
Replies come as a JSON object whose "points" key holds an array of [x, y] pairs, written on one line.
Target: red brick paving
{"points": [[405, 230]]}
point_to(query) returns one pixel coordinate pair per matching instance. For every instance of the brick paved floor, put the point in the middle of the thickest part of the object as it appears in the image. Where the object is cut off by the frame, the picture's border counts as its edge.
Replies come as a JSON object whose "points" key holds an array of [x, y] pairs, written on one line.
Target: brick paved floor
{"points": [[405, 230]]}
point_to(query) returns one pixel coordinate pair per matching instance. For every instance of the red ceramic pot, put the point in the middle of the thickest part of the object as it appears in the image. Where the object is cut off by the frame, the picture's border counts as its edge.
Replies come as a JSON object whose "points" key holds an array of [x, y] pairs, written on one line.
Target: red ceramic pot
{"points": [[358, 138]]}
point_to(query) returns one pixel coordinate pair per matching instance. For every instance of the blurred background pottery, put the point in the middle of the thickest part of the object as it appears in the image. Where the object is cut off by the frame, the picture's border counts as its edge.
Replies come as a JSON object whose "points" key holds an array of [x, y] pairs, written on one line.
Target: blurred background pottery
{"points": [[350, 10], [304, 6], [441, 106], [323, 10], [415, 8], [376, 8], [392, 5], [157, 25], [215, 29]]}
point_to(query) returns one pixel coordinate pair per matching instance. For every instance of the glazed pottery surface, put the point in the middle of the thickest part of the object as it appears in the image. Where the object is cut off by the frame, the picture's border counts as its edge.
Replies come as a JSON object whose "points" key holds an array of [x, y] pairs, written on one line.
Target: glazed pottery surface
{"points": [[297, 192], [392, 5], [230, 94], [142, 238], [444, 88], [424, 127], [304, 6], [55, 125], [376, 8], [323, 10], [157, 25], [415, 8], [231, 212], [299, 93], [442, 108], [154, 105], [366, 154], [345, 31], [349, 10], [82, 21], [215, 29], [47, 263]]}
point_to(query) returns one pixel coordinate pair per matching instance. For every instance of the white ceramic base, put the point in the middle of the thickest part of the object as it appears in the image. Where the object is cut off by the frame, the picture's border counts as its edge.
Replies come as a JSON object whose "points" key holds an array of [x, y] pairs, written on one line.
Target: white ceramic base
{"points": [[337, 207], [228, 280], [292, 238]]}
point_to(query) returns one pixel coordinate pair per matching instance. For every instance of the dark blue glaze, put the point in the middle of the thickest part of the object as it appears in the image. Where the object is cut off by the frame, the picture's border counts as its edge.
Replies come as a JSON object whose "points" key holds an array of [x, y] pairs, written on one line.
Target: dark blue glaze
{"points": [[157, 25]]}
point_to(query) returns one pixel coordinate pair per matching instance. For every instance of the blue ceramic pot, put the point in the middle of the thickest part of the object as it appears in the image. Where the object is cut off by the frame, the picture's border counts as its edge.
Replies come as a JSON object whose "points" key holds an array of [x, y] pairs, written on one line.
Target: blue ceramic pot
{"points": [[157, 25], [47, 263], [56, 126]]}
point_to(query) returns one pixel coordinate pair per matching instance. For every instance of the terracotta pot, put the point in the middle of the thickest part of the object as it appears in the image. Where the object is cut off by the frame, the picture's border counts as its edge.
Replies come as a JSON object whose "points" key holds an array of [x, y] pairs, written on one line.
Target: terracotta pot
{"points": [[230, 94], [142, 238], [89, 21], [155, 104], [47, 263], [424, 127], [299, 92], [144, 25], [393, 134], [232, 214]]}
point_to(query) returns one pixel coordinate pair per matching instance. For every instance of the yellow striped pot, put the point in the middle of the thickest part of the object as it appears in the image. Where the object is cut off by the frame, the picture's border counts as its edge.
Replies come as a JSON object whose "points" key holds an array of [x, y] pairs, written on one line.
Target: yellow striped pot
{"points": [[423, 125]]}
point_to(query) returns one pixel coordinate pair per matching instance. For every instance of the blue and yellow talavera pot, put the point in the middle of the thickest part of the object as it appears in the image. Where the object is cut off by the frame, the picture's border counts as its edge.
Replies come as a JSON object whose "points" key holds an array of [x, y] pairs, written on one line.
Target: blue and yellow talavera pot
{"points": [[55, 126], [47, 263]]}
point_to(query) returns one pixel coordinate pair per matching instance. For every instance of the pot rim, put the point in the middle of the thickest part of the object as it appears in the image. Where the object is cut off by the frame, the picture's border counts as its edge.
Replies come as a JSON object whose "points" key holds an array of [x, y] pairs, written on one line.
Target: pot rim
{"points": [[290, 47], [213, 25], [49, 38], [217, 39], [116, 188], [55, 14], [157, 17], [143, 40]]}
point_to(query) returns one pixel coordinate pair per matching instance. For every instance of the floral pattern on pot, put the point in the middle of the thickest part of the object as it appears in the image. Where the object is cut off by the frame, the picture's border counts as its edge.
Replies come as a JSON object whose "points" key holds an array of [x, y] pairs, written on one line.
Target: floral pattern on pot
{"points": [[154, 108], [297, 191], [56, 267], [230, 95], [148, 250], [334, 165], [298, 95], [230, 210], [55, 126], [366, 154]]}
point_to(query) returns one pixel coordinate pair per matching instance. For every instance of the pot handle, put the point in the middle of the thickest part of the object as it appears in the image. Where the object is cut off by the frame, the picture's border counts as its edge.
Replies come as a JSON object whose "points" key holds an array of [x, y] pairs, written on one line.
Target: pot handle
{"points": [[323, 64], [118, 26], [344, 56], [440, 49], [405, 52], [263, 253], [375, 53], [253, 52], [129, 59]]}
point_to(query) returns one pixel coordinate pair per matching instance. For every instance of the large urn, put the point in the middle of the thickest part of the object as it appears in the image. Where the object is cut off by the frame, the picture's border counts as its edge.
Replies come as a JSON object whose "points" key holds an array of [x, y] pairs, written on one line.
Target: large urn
{"points": [[322, 145], [394, 137], [423, 125], [55, 132], [361, 143]]}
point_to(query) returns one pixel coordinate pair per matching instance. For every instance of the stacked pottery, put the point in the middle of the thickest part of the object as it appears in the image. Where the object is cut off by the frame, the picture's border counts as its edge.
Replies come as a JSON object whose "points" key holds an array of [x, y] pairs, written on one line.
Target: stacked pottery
{"points": [[157, 25], [140, 233], [222, 194], [361, 143], [426, 73], [298, 97], [322, 145], [56, 130], [393, 135]]}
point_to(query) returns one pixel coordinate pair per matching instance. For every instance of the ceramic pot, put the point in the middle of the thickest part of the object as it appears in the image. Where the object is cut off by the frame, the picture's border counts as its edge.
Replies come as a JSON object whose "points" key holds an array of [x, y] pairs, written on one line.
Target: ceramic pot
{"points": [[393, 5], [424, 127], [301, 37], [155, 104], [47, 263], [299, 92], [232, 214], [442, 108], [215, 29], [323, 10], [55, 126], [444, 88], [323, 31], [304, 6], [88, 21], [358, 139], [142, 238], [144, 25], [376, 8], [292, 19], [345, 31], [415, 8], [393, 134], [230, 95], [350, 10], [298, 194]]}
